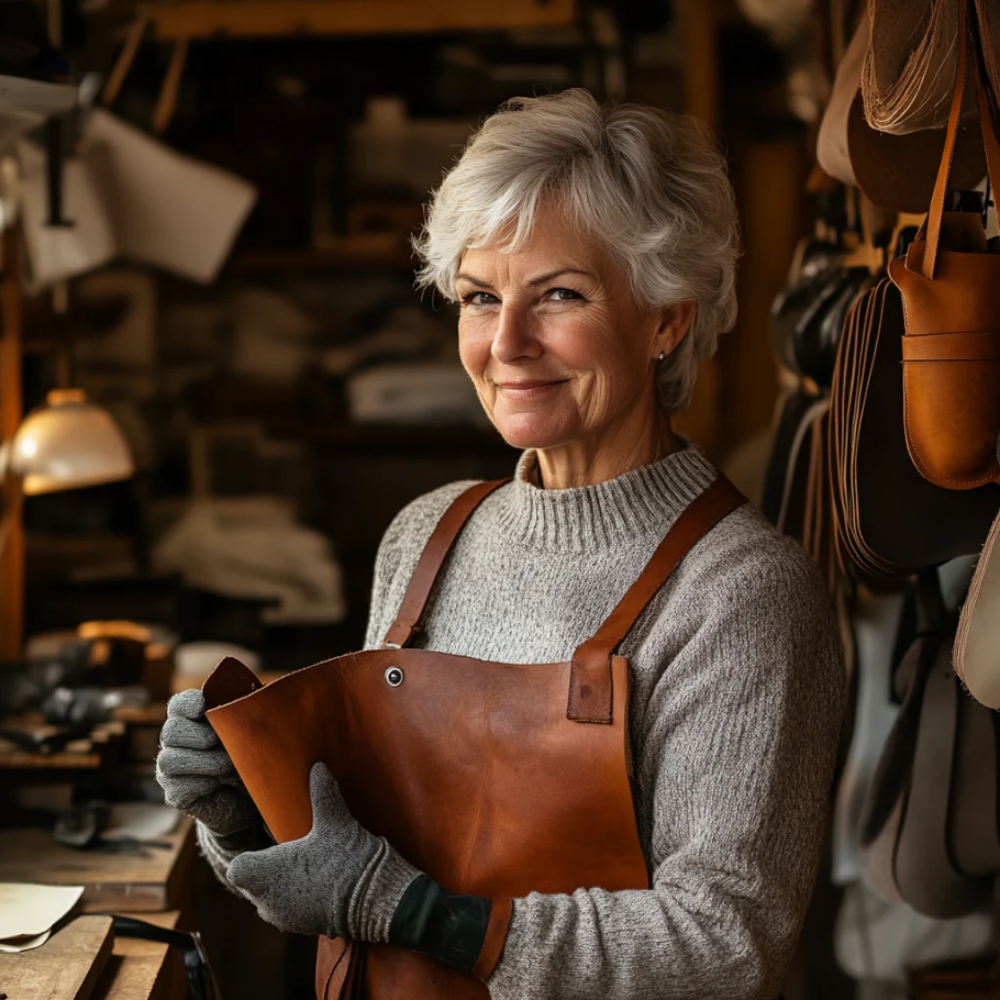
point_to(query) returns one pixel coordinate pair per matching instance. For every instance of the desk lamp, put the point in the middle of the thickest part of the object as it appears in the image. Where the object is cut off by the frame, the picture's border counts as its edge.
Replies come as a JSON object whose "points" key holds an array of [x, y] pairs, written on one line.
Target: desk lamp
{"points": [[68, 443]]}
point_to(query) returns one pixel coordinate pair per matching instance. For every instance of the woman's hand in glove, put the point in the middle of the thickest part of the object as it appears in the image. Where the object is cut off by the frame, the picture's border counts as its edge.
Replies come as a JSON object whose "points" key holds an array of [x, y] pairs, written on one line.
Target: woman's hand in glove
{"points": [[339, 880], [195, 772]]}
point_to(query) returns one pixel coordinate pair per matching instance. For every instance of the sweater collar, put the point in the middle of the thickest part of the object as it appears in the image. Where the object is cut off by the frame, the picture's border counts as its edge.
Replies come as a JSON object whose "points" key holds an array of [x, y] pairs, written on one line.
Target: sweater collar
{"points": [[642, 502]]}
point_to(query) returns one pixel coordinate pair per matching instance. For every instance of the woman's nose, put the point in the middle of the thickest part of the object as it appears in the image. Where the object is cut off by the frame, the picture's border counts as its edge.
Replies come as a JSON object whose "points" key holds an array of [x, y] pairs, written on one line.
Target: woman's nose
{"points": [[515, 335]]}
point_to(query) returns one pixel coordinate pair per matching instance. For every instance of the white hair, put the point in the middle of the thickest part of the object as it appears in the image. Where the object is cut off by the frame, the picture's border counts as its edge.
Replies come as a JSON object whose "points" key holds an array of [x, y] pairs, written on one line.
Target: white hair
{"points": [[649, 185]]}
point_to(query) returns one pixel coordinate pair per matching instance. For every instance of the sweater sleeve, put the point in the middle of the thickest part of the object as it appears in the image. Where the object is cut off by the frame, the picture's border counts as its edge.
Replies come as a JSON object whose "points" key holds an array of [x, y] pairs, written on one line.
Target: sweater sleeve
{"points": [[735, 748]]}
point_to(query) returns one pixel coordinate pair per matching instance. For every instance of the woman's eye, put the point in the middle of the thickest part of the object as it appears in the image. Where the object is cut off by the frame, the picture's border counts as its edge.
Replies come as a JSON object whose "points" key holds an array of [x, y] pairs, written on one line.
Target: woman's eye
{"points": [[564, 294], [478, 299]]}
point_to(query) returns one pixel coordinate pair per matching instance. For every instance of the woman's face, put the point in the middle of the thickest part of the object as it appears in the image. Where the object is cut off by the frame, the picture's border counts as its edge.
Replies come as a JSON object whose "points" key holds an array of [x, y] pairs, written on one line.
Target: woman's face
{"points": [[553, 340]]}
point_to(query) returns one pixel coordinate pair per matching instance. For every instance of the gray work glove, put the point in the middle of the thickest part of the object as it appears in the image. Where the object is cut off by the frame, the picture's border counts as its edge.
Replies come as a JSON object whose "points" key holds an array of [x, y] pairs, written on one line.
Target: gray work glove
{"points": [[195, 771], [339, 880]]}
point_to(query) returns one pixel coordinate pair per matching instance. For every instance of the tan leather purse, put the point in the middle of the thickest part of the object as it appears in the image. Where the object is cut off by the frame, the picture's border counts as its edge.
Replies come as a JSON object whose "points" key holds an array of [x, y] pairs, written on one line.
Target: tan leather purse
{"points": [[950, 284], [888, 518]]}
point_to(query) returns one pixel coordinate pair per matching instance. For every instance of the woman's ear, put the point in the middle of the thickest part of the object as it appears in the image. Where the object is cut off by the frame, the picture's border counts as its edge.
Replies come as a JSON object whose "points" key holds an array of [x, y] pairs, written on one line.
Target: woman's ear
{"points": [[672, 326]]}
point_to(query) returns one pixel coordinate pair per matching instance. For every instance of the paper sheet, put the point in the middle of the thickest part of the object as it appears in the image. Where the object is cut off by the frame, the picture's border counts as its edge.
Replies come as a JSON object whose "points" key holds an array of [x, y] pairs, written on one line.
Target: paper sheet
{"points": [[170, 210], [14, 946], [28, 909]]}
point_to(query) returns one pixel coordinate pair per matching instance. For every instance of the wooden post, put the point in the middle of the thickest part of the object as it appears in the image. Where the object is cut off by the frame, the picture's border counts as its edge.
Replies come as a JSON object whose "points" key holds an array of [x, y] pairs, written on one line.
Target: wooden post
{"points": [[11, 411], [702, 73], [699, 19], [769, 177]]}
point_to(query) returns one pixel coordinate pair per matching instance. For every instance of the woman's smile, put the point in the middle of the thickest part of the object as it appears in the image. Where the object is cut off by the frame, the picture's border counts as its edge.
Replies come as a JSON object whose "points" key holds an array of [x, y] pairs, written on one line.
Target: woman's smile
{"points": [[527, 390]]}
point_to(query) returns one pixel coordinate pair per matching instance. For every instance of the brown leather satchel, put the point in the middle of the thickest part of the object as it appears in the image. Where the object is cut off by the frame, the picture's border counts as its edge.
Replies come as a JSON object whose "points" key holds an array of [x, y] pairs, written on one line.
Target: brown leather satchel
{"points": [[950, 283], [888, 518]]}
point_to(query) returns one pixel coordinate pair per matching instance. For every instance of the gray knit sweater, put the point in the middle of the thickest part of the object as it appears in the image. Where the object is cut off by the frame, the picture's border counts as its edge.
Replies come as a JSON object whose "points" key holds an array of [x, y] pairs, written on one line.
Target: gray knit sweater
{"points": [[735, 715]]}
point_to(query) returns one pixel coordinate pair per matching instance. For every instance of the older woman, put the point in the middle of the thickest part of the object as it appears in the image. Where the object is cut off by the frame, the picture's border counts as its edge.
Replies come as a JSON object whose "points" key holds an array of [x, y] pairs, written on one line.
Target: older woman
{"points": [[592, 250]]}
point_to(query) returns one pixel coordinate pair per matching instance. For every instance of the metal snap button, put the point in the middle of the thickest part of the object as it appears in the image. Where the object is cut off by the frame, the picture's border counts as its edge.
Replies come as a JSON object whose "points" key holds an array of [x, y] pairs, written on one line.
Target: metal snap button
{"points": [[394, 676]]}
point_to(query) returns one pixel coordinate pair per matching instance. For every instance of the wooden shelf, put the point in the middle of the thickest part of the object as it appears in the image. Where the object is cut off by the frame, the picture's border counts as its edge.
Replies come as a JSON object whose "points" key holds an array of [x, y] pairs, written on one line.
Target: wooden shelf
{"points": [[359, 259], [283, 18]]}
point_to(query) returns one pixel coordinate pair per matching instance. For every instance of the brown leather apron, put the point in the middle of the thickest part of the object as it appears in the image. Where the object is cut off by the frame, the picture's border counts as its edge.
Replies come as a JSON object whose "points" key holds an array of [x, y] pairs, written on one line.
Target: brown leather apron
{"points": [[496, 779]]}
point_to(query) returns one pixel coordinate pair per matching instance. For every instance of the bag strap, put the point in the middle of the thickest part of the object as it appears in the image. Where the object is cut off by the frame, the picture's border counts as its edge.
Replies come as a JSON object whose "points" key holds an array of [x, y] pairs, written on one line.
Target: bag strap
{"points": [[928, 262], [428, 568], [590, 690]]}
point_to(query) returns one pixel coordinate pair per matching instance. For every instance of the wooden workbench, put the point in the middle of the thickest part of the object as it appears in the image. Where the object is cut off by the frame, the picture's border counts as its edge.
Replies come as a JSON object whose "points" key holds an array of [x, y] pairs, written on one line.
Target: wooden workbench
{"points": [[151, 881], [169, 888], [68, 966], [143, 970], [84, 960]]}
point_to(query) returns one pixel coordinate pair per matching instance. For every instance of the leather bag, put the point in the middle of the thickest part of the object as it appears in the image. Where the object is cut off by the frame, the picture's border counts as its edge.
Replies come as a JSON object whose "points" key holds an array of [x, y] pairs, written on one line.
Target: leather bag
{"points": [[889, 519], [910, 63], [789, 413], [988, 12], [929, 832], [814, 263], [977, 646], [894, 171], [950, 284]]}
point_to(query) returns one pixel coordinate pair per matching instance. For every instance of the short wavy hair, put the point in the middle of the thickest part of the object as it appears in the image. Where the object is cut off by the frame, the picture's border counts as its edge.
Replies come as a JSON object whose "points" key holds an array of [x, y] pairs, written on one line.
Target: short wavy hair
{"points": [[649, 185]]}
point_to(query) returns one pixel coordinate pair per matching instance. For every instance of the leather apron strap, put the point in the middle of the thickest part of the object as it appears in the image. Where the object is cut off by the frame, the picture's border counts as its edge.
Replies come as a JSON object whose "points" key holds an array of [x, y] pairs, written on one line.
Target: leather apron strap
{"points": [[590, 691], [411, 612], [590, 694]]}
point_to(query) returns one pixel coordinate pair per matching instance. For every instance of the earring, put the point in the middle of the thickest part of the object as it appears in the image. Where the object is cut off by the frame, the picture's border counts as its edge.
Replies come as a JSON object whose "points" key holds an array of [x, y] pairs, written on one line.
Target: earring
{"points": [[662, 356]]}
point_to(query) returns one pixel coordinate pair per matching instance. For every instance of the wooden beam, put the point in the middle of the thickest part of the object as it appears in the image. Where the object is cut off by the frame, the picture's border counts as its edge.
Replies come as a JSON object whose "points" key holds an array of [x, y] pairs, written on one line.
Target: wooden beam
{"points": [[11, 411], [281, 18], [699, 20]]}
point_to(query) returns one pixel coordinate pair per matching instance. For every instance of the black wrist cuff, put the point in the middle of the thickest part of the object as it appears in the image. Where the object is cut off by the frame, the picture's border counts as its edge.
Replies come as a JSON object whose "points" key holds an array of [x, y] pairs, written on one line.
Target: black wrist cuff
{"points": [[440, 924], [251, 838]]}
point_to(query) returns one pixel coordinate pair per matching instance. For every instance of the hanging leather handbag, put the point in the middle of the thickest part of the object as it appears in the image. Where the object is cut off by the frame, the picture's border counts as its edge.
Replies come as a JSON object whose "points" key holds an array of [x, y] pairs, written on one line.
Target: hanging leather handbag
{"points": [[789, 412], [977, 646], [950, 284], [894, 171], [929, 832], [888, 518]]}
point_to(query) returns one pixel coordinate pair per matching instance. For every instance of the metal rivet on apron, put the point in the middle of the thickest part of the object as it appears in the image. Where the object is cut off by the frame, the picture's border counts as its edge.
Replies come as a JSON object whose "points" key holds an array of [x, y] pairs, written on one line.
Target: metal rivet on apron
{"points": [[394, 676]]}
